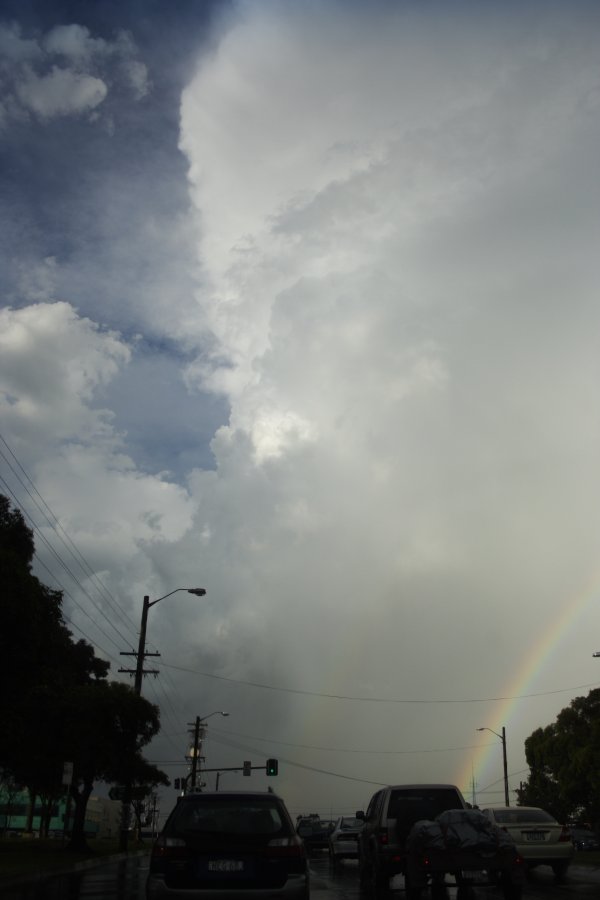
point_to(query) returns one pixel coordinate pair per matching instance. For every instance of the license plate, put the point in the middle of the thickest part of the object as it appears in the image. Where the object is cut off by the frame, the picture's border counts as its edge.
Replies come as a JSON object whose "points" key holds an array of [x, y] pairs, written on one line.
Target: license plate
{"points": [[225, 865], [475, 876], [535, 836]]}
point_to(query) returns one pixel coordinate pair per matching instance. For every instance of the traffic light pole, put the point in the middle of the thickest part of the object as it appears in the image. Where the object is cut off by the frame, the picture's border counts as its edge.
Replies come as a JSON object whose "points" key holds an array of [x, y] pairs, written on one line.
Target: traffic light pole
{"points": [[271, 768]]}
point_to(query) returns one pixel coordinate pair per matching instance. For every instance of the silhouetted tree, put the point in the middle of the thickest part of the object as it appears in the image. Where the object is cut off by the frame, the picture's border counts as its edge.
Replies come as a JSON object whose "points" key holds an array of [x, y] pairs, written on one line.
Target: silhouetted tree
{"points": [[55, 702], [564, 762], [112, 723]]}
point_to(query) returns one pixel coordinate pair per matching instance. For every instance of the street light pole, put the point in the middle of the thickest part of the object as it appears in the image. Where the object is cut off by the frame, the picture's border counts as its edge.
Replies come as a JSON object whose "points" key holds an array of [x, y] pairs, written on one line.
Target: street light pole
{"points": [[141, 653], [198, 743], [138, 672], [504, 761]]}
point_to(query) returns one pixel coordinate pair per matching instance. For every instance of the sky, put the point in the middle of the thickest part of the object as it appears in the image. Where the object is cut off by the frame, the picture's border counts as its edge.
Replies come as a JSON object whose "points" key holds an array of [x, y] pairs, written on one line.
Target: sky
{"points": [[300, 306]]}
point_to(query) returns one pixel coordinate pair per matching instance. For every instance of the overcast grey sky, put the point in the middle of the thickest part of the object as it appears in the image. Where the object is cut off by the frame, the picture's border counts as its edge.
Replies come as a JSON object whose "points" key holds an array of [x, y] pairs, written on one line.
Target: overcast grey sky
{"points": [[300, 305]]}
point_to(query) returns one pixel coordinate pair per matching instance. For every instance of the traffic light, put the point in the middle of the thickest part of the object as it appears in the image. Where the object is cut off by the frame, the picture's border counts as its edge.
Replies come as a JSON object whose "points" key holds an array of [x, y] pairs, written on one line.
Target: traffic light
{"points": [[272, 766]]}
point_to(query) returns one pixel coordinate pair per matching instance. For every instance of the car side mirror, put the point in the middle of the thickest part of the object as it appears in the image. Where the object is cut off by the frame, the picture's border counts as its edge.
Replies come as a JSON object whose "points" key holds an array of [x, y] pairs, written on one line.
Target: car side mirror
{"points": [[360, 814]]}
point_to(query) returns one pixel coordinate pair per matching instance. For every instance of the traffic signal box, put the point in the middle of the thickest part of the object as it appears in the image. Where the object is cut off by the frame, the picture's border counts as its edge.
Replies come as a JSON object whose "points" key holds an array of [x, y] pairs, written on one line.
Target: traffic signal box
{"points": [[272, 767]]}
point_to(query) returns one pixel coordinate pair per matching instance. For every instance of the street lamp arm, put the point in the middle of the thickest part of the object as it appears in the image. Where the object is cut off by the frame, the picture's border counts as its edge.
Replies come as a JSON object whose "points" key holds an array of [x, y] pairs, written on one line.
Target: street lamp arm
{"points": [[199, 592], [217, 712], [492, 730]]}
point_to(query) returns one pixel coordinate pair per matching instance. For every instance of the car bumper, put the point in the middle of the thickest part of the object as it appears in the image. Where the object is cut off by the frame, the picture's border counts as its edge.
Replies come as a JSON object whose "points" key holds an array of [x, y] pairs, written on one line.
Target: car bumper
{"points": [[346, 849], [545, 854], [296, 888]]}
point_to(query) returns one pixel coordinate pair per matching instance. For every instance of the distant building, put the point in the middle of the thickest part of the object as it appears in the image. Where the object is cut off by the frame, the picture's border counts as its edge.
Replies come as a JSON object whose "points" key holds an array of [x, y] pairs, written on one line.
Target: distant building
{"points": [[101, 820]]}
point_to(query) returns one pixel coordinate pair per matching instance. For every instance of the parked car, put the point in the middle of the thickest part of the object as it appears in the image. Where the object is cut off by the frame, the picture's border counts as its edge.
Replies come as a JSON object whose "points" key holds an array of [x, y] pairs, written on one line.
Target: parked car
{"points": [[314, 832], [540, 839], [228, 844], [584, 839], [343, 839]]}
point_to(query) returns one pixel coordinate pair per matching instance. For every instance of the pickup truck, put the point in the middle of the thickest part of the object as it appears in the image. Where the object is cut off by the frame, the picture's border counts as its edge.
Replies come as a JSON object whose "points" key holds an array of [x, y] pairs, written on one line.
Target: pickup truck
{"points": [[427, 831]]}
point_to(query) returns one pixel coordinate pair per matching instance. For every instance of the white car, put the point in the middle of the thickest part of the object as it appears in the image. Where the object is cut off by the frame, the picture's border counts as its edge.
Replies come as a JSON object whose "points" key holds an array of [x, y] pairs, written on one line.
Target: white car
{"points": [[343, 840], [540, 839]]}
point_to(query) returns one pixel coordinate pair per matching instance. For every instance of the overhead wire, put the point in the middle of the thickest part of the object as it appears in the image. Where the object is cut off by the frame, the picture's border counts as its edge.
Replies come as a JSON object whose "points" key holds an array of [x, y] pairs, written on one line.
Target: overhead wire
{"points": [[45, 510], [52, 520], [56, 580], [170, 738], [363, 699], [241, 746], [344, 749]]}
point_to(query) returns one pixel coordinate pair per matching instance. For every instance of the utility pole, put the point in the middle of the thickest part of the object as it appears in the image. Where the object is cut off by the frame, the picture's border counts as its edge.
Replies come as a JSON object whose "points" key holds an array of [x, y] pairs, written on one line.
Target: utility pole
{"points": [[139, 673], [198, 732], [504, 763], [141, 652], [506, 797], [197, 751]]}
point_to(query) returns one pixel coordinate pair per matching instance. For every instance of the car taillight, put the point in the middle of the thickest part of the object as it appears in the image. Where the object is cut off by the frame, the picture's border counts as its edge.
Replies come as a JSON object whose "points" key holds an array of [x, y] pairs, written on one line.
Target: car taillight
{"points": [[383, 837], [565, 834], [288, 846], [169, 848]]}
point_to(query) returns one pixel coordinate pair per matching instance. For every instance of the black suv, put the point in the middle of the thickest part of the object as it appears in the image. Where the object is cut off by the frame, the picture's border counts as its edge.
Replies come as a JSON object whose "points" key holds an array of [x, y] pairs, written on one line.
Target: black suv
{"points": [[314, 832], [228, 844], [390, 816]]}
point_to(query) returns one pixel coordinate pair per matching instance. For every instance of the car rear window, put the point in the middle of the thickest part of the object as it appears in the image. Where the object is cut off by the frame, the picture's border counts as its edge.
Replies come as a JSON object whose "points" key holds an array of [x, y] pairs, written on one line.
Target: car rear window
{"points": [[516, 816], [349, 824], [229, 817], [411, 804]]}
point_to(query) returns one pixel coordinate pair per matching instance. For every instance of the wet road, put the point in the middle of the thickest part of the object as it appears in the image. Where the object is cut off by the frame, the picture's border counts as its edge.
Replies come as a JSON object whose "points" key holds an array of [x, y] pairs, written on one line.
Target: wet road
{"points": [[120, 880], [343, 884], [125, 880]]}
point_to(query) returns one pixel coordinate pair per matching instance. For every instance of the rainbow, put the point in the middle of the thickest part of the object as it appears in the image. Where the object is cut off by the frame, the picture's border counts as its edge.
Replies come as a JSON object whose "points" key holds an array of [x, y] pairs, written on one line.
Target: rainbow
{"points": [[538, 656]]}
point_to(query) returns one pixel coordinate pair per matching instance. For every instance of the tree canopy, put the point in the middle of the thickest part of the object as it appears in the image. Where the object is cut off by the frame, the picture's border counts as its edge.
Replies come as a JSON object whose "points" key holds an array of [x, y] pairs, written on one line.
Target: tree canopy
{"points": [[564, 762], [56, 704]]}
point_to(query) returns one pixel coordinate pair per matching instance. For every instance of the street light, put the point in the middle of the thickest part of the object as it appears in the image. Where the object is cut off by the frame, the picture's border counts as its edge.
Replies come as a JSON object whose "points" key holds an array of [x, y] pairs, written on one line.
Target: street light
{"points": [[137, 687], [139, 669], [199, 720], [503, 739]]}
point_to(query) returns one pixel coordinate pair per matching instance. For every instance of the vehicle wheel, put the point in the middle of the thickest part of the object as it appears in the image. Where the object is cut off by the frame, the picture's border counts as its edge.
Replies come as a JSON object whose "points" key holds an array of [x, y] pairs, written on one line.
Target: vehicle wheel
{"points": [[512, 892], [560, 871]]}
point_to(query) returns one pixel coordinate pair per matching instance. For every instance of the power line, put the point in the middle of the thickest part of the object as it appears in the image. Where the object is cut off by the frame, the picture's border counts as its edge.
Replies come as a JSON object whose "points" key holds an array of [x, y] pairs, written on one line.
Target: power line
{"points": [[360, 699], [239, 746], [45, 510], [57, 556], [345, 749]]}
